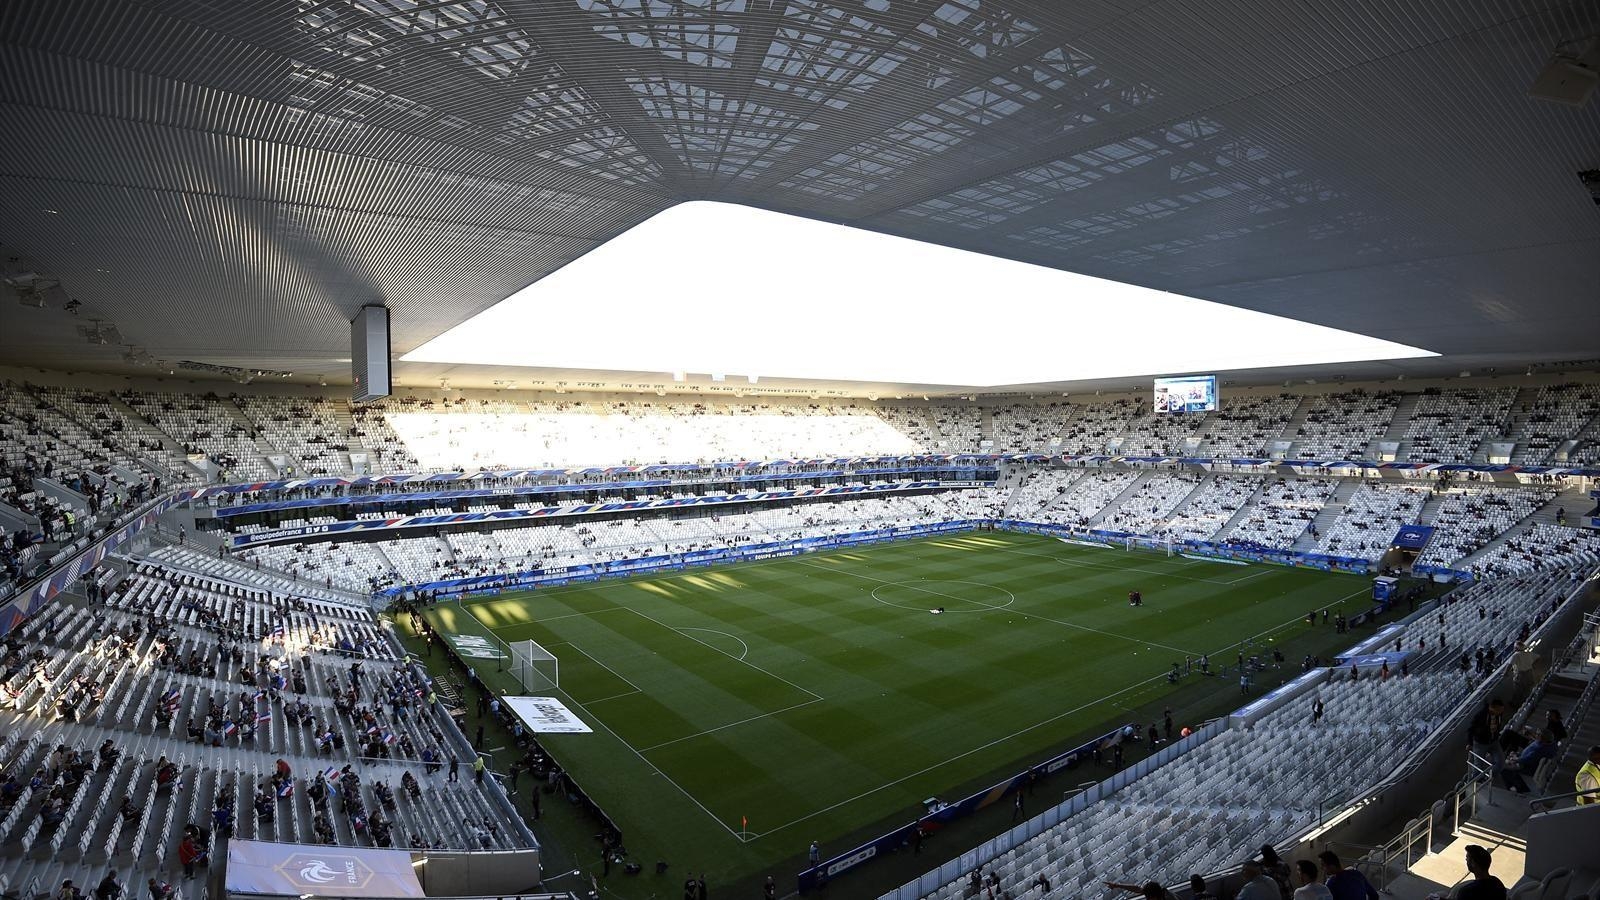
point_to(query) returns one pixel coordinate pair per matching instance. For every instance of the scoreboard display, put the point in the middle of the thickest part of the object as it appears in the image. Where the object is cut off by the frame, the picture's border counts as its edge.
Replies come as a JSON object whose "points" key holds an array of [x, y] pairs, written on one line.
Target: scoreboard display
{"points": [[1186, 394]]}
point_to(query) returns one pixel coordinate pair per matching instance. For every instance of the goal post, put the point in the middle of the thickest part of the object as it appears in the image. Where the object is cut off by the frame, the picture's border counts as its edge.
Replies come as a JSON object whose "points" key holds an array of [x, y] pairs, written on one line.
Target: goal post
{"points": [[534, 667]]}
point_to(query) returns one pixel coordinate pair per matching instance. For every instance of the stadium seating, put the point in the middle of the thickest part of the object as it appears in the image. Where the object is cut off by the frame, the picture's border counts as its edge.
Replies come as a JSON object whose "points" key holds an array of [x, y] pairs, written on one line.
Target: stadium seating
{"points": [[1367, 525], [1554, 415], [1097, 425], [253, 697], [1244, 427], [1023, 428], [1147, 510], [1343, 425], [1282, 512], [1248, 785], [1213, 505], [1470, 517], [1449, 425], [1543, 546]]}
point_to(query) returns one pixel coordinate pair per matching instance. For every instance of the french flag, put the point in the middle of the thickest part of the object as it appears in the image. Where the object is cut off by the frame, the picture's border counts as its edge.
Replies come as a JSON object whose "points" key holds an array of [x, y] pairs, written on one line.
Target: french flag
{"points": [[331, 772], [389, 737], [286, 790], [264, 717], [228, 728]]}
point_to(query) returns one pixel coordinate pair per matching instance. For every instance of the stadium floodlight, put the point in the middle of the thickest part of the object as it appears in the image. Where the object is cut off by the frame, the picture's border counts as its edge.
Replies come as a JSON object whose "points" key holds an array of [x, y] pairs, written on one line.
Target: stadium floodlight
{"points": [[815, 300], [534, 667]]}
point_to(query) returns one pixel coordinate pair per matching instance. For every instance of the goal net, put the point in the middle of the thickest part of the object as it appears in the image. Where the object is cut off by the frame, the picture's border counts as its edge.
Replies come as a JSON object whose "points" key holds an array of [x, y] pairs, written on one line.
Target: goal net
{"points": [[534, 667]]}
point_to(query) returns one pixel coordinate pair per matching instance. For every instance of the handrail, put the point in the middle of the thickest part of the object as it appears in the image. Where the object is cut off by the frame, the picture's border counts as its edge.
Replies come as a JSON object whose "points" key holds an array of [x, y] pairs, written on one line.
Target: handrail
{"points": [[1546, 800]]}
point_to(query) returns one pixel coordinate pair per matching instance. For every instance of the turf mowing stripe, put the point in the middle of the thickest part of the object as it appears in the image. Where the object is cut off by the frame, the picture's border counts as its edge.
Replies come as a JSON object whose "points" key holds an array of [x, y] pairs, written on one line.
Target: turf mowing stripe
{"points": [[727, 654], [1018, 611], [642, 758]]}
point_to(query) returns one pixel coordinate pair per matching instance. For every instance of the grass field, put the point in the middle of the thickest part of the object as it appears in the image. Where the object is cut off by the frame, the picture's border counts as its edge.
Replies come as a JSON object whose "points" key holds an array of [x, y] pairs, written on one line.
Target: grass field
{"points": [[816, 696]]}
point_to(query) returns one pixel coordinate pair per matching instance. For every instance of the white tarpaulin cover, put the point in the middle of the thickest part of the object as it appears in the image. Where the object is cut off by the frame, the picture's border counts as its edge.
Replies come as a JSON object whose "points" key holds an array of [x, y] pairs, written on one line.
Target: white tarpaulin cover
{"points": [[546, 715], [264, 867]]}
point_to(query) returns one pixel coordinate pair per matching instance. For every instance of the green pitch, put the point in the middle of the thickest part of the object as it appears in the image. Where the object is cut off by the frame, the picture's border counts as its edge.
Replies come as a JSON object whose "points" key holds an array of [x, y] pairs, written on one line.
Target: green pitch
{"points": [[815, 696]]}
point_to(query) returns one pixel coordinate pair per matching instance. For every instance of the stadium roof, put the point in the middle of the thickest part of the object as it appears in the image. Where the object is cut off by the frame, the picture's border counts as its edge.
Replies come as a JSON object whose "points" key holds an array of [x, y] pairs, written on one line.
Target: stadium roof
{"points": [[228, 183]]}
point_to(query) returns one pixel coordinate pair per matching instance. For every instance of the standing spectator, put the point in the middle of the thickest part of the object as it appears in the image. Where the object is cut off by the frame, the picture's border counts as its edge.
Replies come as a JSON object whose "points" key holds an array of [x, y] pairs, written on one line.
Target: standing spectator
{"points": [[1587, 783], [1307, 887], [109, 888], [1345, 884], [190, 854], [455, 767], [1257, 886], [814, 854], [1483, 886], [477, 768], [1484, 732], [1273, 866]]}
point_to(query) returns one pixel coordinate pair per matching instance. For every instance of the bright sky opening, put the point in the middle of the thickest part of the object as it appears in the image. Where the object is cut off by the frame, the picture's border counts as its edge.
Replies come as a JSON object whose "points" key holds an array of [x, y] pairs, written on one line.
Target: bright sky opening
{"points": [[709, 287]]}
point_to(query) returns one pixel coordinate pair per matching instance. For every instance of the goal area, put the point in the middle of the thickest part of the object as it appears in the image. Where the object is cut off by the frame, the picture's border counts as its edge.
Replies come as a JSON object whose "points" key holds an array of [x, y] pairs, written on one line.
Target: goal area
{"points": [[534, 667]]}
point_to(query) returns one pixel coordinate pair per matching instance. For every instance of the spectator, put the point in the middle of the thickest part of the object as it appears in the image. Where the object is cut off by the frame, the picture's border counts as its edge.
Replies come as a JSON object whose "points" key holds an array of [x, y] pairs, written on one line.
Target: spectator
{"points": [[1483, 886], [1307, 887], [1150, 890], [1257, 886], [1587, 782], [1527, 762], [1345, 884]]}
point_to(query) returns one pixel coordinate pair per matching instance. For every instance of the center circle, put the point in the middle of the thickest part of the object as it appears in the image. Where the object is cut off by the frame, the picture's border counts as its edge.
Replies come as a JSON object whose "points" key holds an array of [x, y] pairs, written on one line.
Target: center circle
{"points": [[922, 595]]}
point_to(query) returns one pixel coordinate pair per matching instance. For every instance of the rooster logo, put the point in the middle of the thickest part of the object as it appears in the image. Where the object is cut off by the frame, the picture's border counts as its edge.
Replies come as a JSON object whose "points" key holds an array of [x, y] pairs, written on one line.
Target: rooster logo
{"points": [[317, 872]]}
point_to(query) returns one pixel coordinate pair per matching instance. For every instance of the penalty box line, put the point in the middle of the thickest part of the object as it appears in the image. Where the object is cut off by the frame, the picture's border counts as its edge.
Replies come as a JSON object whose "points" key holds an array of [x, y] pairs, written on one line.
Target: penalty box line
{"points": [[642, 758]]}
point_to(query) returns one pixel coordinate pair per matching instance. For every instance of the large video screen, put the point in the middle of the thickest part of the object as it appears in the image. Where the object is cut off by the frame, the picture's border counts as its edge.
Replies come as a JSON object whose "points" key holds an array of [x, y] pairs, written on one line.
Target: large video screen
{"points": [[1186, 394]]}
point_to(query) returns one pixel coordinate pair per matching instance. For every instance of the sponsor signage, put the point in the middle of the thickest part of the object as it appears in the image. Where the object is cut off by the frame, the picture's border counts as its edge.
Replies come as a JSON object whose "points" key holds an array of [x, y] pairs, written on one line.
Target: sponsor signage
{"points": [[264, 867], [546, 715]]}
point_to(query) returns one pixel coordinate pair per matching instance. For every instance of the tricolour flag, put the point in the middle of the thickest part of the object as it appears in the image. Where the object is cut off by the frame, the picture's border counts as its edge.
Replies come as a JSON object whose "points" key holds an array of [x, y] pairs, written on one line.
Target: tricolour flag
{"points": [[264, 717], [286, 789], [228, 728]]}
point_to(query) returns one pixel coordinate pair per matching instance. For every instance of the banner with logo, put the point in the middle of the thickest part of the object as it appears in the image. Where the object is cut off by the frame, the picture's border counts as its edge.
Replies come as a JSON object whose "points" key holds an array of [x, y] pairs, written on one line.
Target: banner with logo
{"points": [[546, 715], [263, 867]]}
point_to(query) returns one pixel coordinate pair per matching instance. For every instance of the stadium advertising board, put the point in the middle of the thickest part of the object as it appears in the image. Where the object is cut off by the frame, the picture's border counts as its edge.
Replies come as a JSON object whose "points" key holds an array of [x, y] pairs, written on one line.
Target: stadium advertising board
{"points": [[264, 867], [1186, 394], [546, 715]]}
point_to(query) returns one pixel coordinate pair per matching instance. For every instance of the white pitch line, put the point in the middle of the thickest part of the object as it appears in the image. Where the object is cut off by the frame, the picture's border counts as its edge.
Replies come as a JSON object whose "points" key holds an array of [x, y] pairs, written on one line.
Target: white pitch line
{"points": [[1020, 612], [977, 749], [614, 696], [1083, 564], [729, 725], [724, 634], [642, 758], [727, 654], [636, 688]]}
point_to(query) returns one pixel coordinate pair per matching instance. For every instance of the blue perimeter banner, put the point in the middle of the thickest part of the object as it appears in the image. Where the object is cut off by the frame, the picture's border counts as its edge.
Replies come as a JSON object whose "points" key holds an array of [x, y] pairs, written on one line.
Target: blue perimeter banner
{"points": [[825, 871]]}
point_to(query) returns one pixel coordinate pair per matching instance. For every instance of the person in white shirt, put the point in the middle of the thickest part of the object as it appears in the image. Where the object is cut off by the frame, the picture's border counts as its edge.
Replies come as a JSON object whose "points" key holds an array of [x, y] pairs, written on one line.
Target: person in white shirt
{"points": [[1308, 883]]}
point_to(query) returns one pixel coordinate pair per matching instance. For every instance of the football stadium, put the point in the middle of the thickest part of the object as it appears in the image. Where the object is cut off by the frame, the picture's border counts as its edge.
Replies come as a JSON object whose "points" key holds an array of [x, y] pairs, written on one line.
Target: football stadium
{"points": [[879, 450]]}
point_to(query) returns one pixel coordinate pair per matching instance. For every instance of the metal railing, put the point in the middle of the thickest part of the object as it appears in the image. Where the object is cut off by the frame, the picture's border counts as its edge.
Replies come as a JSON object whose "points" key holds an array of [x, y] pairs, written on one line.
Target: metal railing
{"points": [[1543, 804]]}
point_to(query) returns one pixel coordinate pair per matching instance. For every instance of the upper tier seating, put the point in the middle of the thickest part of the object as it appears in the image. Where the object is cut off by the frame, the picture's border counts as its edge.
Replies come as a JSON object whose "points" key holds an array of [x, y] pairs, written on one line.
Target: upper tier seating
{"points": [[1447, 426], [1555, 414], [1244, 427], [1343, 425], [1027, 428]]}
